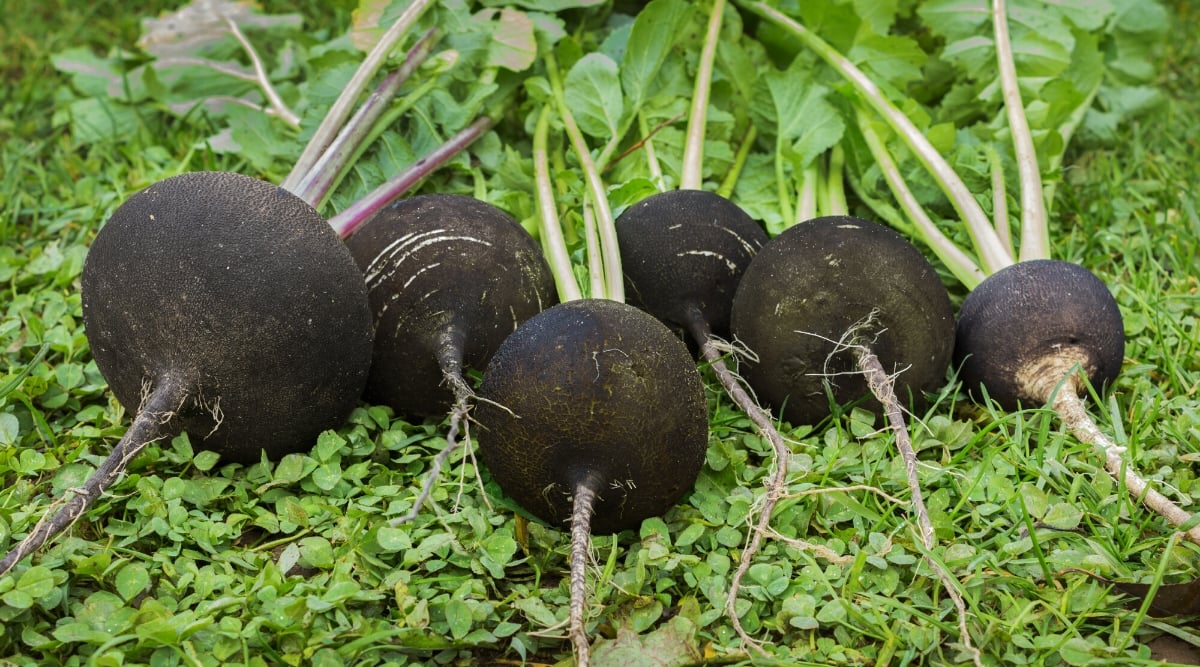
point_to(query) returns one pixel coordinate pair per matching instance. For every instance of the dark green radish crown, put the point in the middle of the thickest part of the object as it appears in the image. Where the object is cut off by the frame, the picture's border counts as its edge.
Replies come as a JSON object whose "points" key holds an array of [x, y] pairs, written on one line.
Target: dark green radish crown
{"points": [[1030, 316], [449, 277], [683, 253], [242, 293], [593, 389], [808, 289]]}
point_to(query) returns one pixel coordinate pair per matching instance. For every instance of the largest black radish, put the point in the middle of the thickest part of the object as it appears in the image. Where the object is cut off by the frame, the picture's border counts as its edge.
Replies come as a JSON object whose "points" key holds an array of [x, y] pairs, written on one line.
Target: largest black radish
{"points": [[226, 307]]}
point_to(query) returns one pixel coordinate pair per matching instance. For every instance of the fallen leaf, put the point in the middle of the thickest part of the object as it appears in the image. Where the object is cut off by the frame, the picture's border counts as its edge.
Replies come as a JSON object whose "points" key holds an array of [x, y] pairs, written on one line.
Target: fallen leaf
{"points": [[1181, 599], [672, 644], [200, 23]]}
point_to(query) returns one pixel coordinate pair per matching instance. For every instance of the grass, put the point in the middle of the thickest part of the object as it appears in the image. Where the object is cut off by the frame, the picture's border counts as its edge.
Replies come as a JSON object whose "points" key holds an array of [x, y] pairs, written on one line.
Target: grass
{"points": [[190, 562]]}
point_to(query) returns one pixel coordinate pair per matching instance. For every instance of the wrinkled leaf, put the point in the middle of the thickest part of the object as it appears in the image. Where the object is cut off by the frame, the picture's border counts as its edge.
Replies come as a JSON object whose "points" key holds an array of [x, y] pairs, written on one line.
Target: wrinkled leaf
{"points": [[672, 644], [514, 46]]}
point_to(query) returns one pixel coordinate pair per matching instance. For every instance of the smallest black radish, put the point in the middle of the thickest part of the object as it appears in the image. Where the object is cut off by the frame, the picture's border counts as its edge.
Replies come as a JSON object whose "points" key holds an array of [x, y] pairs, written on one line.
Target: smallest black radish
{"points": [[820, 292], [1024, 329]]}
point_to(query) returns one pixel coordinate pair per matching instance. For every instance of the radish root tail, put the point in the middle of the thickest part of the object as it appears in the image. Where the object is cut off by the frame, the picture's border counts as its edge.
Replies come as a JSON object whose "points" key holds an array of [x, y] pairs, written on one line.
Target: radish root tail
{"points": [[152, 424], [1071, 409], [776, 483], [581, 521], [882, 388]]}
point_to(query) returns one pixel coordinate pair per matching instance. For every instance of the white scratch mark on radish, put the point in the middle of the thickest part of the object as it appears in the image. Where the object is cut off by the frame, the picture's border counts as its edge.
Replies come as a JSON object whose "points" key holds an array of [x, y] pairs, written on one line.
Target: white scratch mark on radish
{"points": [[385, 264], [730, 264], [746, 245]]}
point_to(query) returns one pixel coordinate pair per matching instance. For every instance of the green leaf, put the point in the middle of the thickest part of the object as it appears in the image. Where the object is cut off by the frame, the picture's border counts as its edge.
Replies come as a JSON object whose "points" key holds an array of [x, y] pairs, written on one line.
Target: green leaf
{"points": [[458, 615], [329, 443], [500, 547], [10, 429], [292, 468], [34, 584], [535, 609], [674, 644], [897, 60], [132, 580], [99, 119], [205, 460], [91, 75], [657, 26], [1063, 516], [806, 124], [393, 539], [593, 93], [955, 19], [878, 14], [316, 552], [690, 534]]}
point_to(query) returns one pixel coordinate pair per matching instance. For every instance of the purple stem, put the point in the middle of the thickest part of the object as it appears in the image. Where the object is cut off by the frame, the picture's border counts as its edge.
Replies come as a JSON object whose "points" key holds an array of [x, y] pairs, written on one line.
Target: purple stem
{"points": [[316, 184], [346, 222]]}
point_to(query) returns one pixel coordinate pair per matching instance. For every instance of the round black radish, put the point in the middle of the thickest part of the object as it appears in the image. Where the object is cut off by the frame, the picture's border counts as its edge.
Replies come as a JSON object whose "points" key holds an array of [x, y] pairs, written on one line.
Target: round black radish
{"points": [[239, 299], [824, 286], [449, 278], [593, 394], [683, 253], [1023, 329]]}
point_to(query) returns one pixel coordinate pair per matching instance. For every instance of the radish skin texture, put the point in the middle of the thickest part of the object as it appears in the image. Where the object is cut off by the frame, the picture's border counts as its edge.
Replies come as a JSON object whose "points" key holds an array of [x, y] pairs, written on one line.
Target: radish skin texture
{"points": [[242, 296], [449, 278], [1021, 331], [683, 253], [598, 394], [817, 281]]}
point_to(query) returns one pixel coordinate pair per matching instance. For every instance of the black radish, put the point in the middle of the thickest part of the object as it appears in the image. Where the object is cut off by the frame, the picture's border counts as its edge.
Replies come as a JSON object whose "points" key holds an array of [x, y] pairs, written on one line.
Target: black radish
{"points": [[593, 397], [802, 305], [595, 418], [1042, 332], [838, 309], [226, 307], [449, 278], [1025, 329], [592, 413], [683, 253]]}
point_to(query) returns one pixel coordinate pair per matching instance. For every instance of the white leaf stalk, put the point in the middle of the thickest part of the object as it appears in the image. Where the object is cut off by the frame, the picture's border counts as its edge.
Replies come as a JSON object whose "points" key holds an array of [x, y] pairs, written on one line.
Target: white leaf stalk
{"points": [[342, 106], [692, 176], [553, 244], [1035, 235], [613, 279], [960, 264], [992, 253]]}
